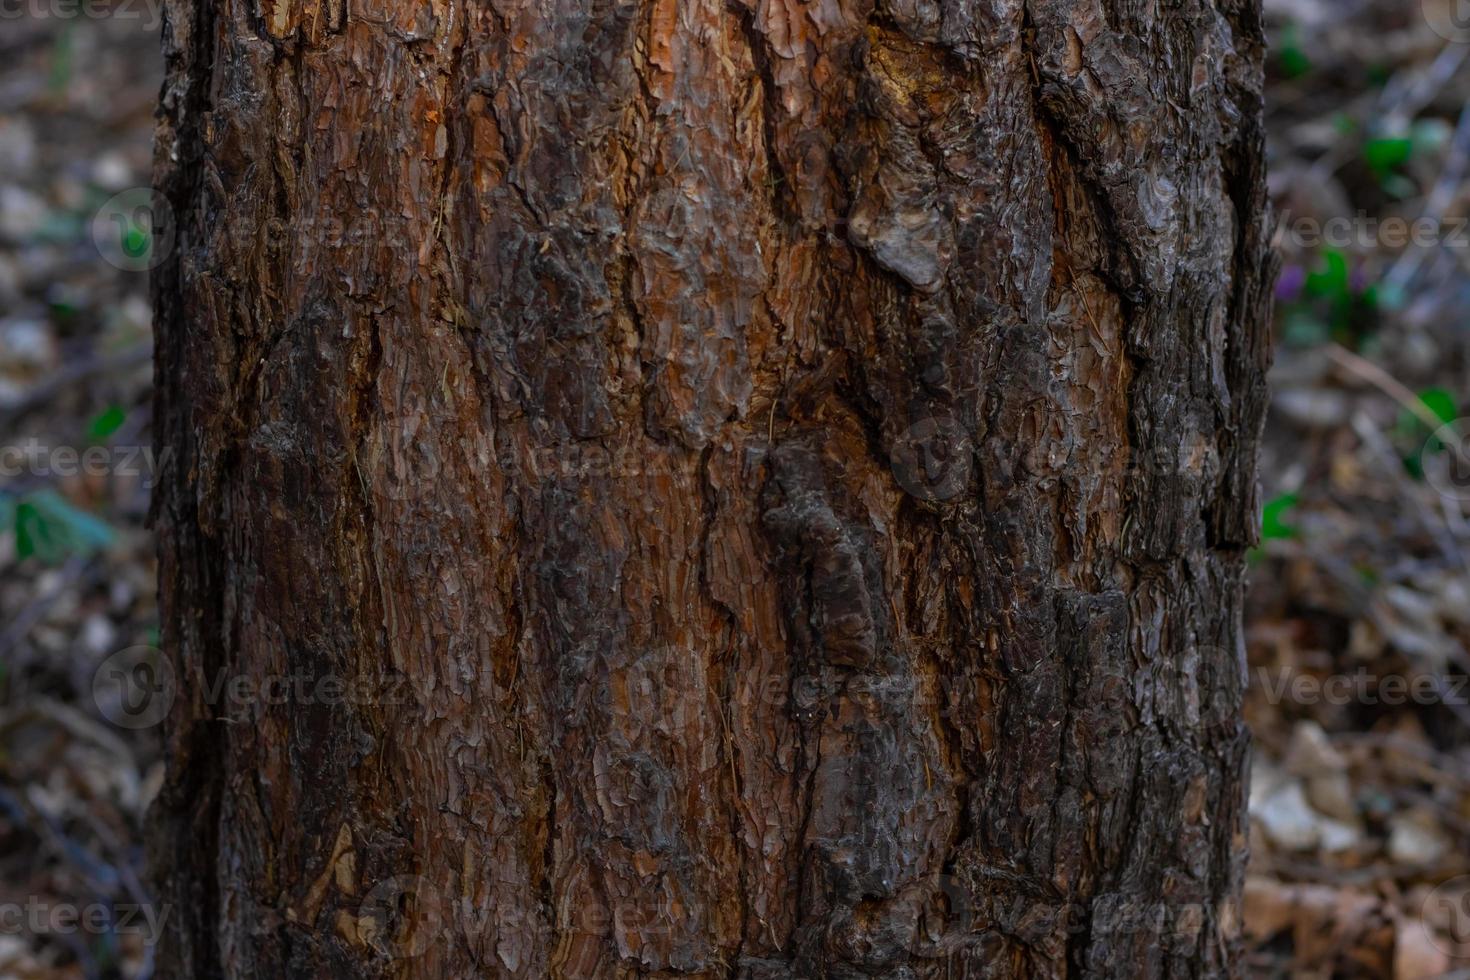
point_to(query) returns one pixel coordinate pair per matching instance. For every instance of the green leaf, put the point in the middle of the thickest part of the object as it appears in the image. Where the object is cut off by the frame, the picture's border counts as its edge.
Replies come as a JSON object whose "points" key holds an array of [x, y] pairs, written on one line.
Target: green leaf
{"points": [[1290, 57], [1273, 523], [7, 512], [1410, 428], [1384, 153], [1294, 62], [107, 423], [1303, 329], [1331, 280], [52, 529], [28, 528], [1423, 439], [63, 310], [1390, 296], [1399, 187], [135, 242], [60, 228], [61, 60], [1441, 403]]}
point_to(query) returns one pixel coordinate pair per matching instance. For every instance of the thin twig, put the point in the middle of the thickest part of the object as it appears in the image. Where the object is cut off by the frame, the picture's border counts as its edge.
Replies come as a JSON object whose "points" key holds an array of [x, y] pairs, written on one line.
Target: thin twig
{"points": [[1378, 445], [28, 617], [1386, 383], [79, 370], [1440, 198]]}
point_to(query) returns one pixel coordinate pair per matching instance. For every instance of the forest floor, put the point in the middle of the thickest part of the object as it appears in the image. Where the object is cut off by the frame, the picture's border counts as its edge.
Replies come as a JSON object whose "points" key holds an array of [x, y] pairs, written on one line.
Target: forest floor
{"points": [[1359, 621]]}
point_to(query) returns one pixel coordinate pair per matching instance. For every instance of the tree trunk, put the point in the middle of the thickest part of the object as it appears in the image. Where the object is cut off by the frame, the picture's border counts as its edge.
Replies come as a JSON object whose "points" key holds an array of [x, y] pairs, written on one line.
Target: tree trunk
{"points": [[716, 488]]}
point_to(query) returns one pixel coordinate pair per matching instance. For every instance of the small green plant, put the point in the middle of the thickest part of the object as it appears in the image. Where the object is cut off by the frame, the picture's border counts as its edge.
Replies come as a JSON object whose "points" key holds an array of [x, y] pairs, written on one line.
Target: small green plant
{"points": [[61, 59], [1440, 403], [1384, 154], [1273, 518], [1331, 303], [135, 240], [1291, 58], [106, 423], [1273, 523], [1415, 437], [47, 527]]}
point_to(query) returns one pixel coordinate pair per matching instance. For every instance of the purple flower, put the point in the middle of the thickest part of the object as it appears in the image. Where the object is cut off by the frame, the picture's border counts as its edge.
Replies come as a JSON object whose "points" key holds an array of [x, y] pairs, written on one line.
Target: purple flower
{"points": [[1358, 279], [1289, 284]]}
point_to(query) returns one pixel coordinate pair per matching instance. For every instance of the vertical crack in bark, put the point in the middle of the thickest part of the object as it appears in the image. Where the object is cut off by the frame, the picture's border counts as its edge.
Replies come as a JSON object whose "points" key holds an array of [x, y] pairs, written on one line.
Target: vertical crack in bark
{"points": [[187, 808], [744, 14], [726, 700]]}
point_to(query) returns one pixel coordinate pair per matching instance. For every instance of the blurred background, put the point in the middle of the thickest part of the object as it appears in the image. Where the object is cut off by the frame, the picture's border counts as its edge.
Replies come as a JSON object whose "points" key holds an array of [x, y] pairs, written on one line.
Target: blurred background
{"points": [[1359, 621], [78, 81]]}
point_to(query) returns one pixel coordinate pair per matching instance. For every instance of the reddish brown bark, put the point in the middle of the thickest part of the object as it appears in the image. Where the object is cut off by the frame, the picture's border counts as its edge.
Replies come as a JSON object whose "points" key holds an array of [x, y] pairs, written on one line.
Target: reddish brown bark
{"points": [[784, 470]]}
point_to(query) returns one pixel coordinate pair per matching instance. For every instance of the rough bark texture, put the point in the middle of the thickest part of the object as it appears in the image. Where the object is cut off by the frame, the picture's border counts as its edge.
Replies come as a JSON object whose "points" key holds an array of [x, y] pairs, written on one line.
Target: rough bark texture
{"points": [[782, 468]]}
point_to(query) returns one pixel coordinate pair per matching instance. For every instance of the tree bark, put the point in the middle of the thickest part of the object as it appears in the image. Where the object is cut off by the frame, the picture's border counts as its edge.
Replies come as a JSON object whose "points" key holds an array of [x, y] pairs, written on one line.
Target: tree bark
{"points": [[712, 488]]}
